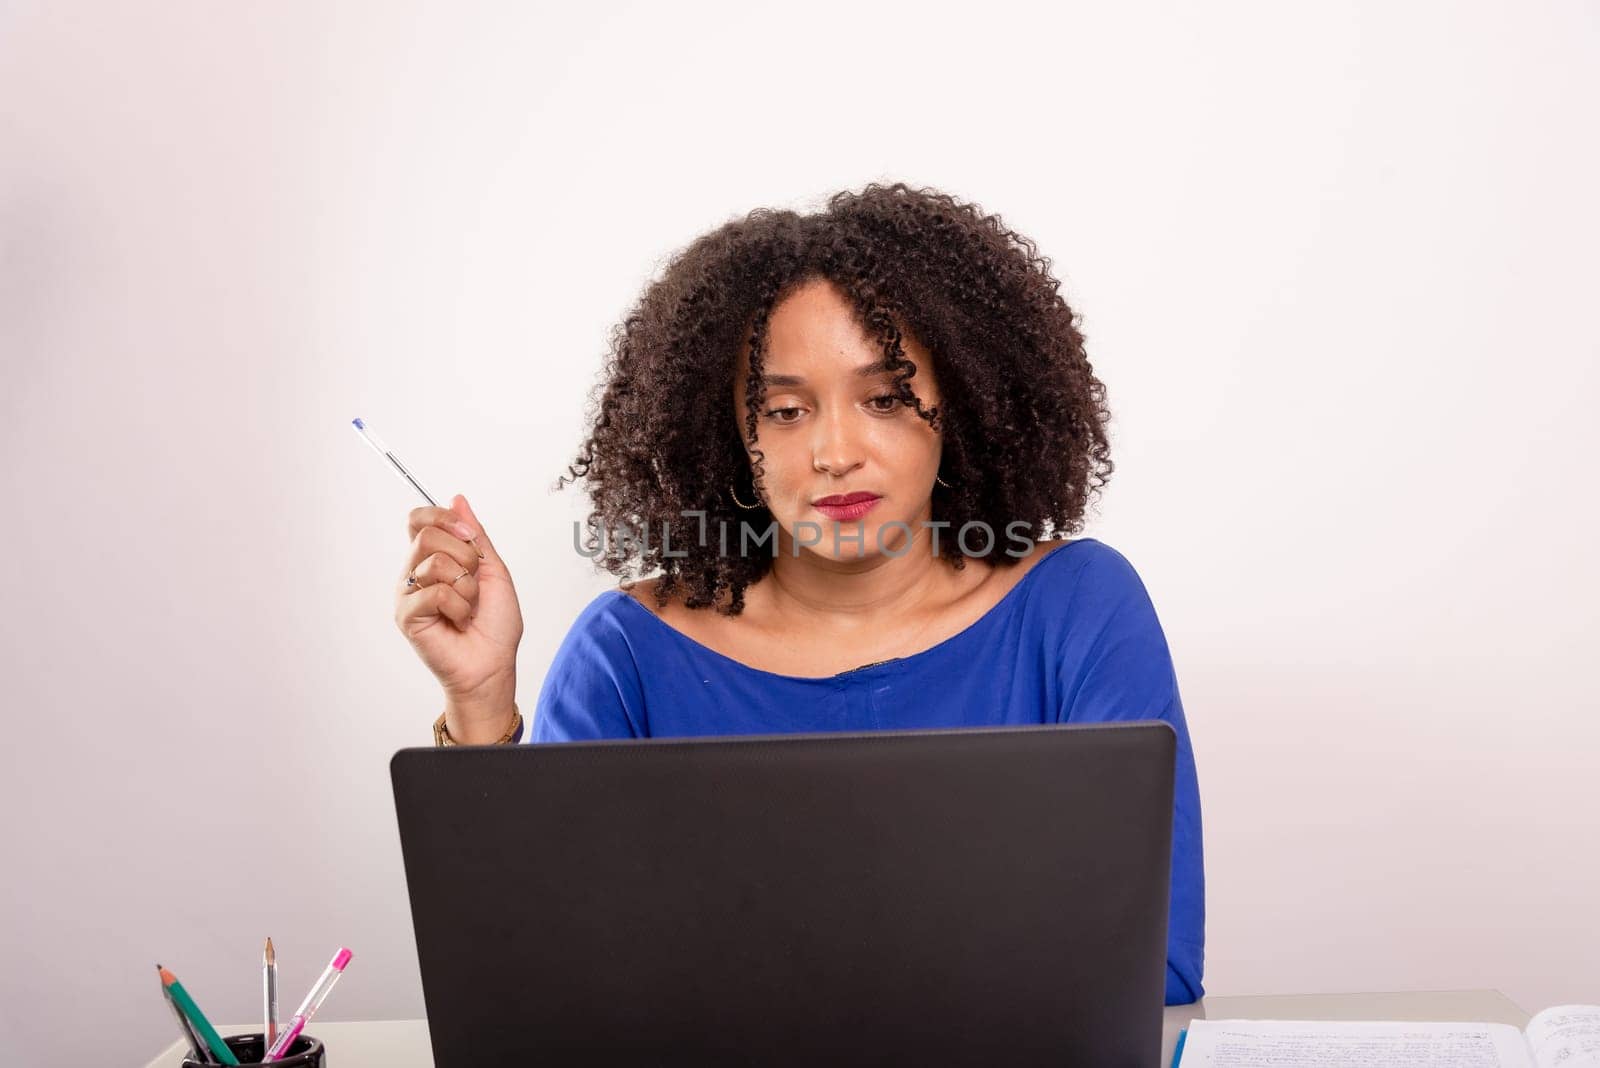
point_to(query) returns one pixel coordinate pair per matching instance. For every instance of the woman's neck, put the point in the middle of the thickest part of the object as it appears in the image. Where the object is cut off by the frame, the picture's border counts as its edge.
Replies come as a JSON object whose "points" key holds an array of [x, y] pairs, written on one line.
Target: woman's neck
{"points": [[868, 592]]}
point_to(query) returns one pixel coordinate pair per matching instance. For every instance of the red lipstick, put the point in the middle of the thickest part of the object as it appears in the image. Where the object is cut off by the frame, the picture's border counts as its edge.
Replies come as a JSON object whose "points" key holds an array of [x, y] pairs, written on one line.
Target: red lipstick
{"points": [[846, 506]]}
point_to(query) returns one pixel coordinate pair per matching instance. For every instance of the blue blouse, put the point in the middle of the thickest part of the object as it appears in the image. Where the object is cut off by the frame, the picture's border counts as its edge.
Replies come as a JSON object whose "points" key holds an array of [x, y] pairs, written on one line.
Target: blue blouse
{"points": [[1076, 641]]}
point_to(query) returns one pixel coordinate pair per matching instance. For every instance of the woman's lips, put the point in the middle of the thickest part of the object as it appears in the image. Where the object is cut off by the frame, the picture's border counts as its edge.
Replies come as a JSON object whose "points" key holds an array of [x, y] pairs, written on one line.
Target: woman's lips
{"points": [[844, 513]]}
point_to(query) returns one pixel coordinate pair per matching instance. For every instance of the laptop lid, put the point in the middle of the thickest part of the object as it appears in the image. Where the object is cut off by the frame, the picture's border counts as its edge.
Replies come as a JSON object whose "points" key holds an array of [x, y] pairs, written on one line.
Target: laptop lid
{"points": [[970, 896]]}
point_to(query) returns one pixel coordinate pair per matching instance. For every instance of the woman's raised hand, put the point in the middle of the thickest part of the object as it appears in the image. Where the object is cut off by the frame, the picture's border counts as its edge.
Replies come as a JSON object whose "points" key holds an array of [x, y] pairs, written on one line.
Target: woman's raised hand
{"points": [[462, 618]]}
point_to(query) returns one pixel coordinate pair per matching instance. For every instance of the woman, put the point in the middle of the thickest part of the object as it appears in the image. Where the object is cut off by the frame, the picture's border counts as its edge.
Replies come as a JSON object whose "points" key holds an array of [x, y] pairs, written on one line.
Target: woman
{"points": [[849, 442]]}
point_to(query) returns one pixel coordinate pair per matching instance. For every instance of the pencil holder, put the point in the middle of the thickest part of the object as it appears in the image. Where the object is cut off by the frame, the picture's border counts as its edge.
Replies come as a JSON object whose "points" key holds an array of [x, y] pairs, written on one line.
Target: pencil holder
{"points": [[304, 1052]]}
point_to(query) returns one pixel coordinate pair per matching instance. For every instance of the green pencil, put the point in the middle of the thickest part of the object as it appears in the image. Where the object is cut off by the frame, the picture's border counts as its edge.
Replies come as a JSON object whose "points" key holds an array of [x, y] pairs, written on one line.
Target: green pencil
{"points": [[197, 1045], [196, 1017]]}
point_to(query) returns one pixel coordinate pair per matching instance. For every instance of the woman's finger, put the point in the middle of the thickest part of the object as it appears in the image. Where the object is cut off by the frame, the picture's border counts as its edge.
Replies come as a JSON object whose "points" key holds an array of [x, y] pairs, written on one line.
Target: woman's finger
{"points": [[440, 567], [427, 602], [462, 512], [429, 516], [430, 541]]}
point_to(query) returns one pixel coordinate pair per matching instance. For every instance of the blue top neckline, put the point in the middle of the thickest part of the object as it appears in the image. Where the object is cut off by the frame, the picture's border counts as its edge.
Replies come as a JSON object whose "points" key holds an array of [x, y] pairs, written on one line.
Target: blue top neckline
{"points": [[861, 672]]}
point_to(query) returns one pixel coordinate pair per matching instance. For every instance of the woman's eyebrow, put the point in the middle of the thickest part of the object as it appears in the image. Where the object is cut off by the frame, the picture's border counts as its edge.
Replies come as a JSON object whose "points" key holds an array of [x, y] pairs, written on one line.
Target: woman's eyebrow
{"points": [[866, 370]]}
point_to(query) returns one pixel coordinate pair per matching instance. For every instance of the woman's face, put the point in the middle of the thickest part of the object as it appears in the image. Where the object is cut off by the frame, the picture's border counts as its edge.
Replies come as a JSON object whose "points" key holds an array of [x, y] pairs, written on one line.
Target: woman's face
{"points": [[831, 427]]}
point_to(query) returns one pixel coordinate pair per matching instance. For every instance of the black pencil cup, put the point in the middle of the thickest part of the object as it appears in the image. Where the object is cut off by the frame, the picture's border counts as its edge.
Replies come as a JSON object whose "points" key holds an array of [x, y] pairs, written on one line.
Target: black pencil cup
{"points": [[304, 1052]]}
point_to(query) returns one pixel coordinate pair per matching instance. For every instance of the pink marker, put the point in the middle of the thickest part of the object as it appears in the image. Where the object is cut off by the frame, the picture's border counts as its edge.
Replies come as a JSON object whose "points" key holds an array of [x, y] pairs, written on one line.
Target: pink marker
{"points": [[308, 1007]]}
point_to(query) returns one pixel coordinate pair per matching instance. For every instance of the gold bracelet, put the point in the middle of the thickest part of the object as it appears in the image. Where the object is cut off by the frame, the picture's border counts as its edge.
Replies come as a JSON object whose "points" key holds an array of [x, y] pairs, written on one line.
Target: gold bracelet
{"points": [[441, 734]]}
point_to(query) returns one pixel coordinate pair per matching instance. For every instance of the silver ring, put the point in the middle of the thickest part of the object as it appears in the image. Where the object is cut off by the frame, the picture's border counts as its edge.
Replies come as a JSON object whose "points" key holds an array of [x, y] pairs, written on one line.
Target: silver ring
{"points": [[411, 580]]}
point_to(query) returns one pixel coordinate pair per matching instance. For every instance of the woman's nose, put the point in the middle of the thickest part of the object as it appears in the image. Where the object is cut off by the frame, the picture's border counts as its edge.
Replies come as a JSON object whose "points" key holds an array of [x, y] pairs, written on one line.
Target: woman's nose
{"points": [[835, 449]]}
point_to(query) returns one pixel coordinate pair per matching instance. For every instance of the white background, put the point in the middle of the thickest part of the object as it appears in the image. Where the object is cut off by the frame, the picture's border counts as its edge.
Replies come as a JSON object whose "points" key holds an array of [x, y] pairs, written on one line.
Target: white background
{"points": [[1337, 265]]}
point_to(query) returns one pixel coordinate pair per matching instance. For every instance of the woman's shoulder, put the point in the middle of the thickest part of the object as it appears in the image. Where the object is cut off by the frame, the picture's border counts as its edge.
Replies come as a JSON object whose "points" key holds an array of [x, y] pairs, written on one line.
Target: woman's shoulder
{"points": [[593, 688], [602, 630], [1086, 562], [604, 611], [627, 620], [1087, 584], [637, 598]]}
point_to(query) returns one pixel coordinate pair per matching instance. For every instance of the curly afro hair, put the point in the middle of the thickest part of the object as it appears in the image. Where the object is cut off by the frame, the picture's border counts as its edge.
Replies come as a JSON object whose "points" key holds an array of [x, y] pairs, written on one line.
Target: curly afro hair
{"points": [[1023, 416]]}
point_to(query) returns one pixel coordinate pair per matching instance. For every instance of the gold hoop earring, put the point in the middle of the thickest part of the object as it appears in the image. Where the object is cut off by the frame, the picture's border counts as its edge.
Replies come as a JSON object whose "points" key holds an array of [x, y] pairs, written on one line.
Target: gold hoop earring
{"points": [[741, 504]]}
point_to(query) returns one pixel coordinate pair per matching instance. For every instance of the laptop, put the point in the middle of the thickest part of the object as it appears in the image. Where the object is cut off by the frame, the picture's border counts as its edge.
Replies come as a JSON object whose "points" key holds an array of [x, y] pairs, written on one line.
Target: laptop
{"points": [[974, 896]]}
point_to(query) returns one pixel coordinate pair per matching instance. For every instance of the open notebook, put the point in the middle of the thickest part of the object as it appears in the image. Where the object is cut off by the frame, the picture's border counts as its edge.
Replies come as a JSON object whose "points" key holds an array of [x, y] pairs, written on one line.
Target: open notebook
{"points": [[1566, 1036]]}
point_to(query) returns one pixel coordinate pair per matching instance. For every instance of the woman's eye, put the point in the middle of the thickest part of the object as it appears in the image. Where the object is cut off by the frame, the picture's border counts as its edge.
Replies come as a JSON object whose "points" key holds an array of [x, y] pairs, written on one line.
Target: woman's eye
{"points": [[883, 404]]}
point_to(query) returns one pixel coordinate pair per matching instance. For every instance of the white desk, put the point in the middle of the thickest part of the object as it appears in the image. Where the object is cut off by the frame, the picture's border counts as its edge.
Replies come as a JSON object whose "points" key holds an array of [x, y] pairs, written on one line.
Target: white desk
{"points": [[404, 1043]]}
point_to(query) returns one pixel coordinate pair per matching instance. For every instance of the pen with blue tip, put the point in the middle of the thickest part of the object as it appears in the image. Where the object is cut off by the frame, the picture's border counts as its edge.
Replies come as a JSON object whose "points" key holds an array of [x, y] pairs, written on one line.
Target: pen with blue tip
{"points": [[400, 469]]}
